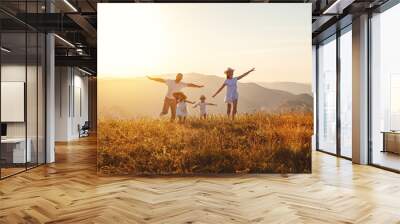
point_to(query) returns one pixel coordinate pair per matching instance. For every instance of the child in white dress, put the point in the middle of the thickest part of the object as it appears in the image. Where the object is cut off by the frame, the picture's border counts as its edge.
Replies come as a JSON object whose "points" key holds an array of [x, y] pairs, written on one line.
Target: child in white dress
{"points": [[232, 95], [181, 108], [203, 106]]}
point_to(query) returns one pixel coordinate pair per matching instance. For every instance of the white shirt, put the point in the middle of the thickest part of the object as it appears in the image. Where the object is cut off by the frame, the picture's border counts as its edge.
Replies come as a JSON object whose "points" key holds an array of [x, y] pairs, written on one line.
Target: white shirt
{"points": [[203, 107], [174, 87], [181, 109], [231, 90]]}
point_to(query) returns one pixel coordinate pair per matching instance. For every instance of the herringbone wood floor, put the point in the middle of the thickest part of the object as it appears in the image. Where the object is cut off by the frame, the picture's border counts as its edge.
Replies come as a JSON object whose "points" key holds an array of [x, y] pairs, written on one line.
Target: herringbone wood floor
{"points": [[69, 191]]}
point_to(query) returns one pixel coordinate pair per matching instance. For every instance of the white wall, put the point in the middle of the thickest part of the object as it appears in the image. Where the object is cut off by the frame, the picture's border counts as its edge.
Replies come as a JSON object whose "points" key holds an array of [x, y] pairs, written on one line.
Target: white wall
{"points": [[62, 82], [71, 94], [33, 127], [12, 73]]}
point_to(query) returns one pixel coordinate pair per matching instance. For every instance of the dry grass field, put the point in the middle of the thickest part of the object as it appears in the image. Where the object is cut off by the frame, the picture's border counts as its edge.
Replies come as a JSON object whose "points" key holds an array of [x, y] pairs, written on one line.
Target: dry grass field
{"points": [[253, 143]]}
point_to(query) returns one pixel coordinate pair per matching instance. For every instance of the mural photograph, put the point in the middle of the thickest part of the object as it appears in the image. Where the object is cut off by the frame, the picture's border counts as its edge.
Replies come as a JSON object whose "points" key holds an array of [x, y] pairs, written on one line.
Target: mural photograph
{"points": [[204, 89]]}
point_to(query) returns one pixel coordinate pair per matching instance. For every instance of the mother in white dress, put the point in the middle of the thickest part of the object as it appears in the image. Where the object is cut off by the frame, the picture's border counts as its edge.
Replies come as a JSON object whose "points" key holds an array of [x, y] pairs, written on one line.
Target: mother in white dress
{"points": [[232, 95]]}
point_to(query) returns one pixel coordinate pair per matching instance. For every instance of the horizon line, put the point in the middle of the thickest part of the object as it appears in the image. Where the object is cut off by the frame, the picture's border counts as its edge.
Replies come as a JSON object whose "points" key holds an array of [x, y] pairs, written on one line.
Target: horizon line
{"points": [[189, 73]]}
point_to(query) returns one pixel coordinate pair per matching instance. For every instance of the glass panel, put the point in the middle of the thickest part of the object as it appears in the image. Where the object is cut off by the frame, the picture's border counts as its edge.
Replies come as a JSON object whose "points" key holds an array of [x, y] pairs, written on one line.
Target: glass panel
{"points": [[23, 90], [13, 88], [385, 114], [31, 88], [327, 96], [41, 99], [31, 100], [314, 88], [346, 94]]}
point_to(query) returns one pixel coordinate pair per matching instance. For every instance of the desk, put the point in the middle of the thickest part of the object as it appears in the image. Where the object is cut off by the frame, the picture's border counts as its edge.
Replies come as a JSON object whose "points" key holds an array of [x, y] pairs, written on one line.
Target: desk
{"points": [[13, 150], [391, 141]]}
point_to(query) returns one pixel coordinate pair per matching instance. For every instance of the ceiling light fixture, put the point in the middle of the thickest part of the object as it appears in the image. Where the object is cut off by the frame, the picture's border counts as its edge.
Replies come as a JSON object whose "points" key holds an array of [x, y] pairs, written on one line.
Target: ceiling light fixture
{"points": [[84, 71], [70, 5], [335, 7], [5, 50], [65, 41]]}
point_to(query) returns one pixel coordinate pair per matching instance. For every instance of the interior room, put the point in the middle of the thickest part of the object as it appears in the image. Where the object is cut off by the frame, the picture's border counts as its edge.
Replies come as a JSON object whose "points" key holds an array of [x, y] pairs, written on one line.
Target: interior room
{"points": [[61, 161], [22, 102], [384, 90]]}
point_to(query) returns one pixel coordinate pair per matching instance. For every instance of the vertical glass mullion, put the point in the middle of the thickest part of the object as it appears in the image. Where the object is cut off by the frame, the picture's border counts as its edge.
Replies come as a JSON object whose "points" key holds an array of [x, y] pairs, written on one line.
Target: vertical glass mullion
{"points": [[338, 81], [1, 164], [317, 96], [37, 89], [26, 86]]}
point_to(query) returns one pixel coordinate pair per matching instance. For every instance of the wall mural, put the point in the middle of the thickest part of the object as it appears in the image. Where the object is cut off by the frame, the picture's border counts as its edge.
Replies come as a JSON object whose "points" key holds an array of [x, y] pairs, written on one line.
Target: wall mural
{"points": [[204, 88]]}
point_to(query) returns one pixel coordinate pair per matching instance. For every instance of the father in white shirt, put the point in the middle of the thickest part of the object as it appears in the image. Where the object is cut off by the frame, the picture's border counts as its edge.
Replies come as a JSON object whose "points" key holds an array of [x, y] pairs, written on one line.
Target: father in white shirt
{"points": [[174, 85]]}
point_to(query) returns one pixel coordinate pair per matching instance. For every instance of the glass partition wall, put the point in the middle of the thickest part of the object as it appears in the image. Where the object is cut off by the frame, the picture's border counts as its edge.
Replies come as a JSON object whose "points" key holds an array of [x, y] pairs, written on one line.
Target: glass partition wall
{"points": [[334, 86], [22, 77], [327, 95], [385, 89], [345, 61]]}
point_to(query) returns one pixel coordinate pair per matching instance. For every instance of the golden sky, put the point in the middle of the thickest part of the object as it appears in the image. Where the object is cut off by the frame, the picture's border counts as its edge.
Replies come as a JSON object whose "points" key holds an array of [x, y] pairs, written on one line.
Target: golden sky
{"points": [[152, 39]]}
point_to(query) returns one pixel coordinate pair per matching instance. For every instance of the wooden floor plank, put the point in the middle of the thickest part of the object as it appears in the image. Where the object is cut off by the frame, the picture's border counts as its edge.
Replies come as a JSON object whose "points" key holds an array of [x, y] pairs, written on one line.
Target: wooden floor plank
{"points": [[70, 191]]}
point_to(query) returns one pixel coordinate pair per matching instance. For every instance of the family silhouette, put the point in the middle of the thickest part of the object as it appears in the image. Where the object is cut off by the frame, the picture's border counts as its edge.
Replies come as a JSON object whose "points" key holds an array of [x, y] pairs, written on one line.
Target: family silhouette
{"points": [[176, 101]]}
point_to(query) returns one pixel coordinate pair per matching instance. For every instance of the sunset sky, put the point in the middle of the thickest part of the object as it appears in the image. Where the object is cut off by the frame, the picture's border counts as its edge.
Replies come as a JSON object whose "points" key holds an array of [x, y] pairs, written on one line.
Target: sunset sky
{"points": [[152, 39]]}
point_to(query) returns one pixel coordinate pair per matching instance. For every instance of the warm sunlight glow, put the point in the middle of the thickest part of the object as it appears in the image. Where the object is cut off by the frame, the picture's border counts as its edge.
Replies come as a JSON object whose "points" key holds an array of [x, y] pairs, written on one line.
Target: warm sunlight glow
{"points": [[137, 49], [154, 39]]}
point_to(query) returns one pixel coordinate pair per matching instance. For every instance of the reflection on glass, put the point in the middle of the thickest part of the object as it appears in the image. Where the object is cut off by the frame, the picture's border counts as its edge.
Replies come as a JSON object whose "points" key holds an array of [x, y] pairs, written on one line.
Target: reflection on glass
{"points": [[385, 89], [346, 94], [31, 100], [22, 92], [14, 153], [327, 96], [41, 98]]}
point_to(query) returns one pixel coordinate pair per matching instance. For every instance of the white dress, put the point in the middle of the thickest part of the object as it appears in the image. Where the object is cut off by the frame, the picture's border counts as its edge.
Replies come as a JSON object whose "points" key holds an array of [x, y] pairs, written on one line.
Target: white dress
{"points": [[203, 108], [181, 110], [231, 90]]}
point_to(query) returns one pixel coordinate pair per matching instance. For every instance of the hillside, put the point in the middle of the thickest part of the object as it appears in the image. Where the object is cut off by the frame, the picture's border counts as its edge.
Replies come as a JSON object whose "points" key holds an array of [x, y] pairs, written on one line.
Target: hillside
{"points": [[138, 97], [291, 87], [253, 143]]}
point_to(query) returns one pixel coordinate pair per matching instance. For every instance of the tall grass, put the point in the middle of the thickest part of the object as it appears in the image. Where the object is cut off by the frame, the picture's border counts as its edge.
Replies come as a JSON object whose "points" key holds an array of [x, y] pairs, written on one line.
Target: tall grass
{"points": [[253, 143]]}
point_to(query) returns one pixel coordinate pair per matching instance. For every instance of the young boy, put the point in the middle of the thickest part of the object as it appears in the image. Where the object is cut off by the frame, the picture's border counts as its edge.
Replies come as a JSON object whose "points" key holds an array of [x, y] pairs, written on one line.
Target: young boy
{"points": [[203, 106]]}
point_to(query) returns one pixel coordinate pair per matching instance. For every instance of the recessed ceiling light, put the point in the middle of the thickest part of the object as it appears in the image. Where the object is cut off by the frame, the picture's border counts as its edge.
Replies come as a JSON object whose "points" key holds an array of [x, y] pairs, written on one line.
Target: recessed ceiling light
{"points": [[5, 50], [70, 5], [337, 7], [84, 71], [65, 41]]}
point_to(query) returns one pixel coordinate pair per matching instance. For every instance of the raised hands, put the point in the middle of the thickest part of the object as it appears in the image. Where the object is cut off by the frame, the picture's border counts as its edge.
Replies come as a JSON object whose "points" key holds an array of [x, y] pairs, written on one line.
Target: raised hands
{"points": [[246, 73]]}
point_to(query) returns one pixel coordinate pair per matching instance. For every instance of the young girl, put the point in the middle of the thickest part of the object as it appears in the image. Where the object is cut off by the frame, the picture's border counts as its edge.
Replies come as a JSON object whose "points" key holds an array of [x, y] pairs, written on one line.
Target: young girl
{"points": [[203, 106], [181, 109], [232, 95]]}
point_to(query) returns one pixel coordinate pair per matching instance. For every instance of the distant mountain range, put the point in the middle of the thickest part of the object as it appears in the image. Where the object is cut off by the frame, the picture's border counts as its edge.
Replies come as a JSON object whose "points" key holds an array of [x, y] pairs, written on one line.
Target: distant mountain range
{"points": [[291, 87], [138, 97]]}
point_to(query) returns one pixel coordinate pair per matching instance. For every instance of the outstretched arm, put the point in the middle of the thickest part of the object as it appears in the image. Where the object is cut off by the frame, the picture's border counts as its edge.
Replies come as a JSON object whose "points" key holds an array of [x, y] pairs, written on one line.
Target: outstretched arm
{"points": [[246, 73], [197, 104], [219, 90], [194, 85], [212, 104], [156, 79], [191, 102]]}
